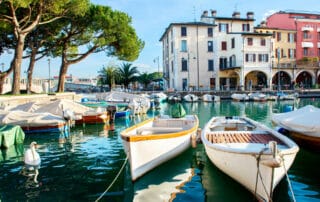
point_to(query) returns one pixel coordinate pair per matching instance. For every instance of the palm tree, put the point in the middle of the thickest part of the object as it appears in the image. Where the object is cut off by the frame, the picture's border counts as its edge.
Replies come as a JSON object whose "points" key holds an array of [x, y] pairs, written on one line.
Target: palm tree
{"points": [[145, 79], [109, 75], [127, 74]]}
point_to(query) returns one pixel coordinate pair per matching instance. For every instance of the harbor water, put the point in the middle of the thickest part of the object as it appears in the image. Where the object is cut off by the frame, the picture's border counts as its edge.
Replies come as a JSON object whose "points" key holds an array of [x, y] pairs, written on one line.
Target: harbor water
{"points": [[84, 166]]}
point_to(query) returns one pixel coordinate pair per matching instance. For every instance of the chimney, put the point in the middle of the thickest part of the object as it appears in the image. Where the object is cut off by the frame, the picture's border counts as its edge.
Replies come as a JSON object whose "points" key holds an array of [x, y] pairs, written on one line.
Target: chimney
{"points": [[263, 24], [250, 15], [204, 14], [213, 13], [236, 14]]}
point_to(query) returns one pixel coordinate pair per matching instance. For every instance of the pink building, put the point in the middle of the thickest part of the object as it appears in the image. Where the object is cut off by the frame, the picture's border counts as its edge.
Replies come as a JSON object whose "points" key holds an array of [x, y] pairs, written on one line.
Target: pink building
{"points": [[307, 26]]}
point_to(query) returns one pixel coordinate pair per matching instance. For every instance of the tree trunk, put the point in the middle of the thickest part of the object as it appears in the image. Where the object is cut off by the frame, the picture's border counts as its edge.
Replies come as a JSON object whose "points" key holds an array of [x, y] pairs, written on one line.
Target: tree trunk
{"points": [[30, 69], [62, 76], [17, 65], [2, 79]]}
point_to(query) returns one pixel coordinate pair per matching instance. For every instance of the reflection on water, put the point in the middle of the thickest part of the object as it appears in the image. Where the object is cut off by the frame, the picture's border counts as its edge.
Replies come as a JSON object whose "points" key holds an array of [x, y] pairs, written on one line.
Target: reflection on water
{"points": [[82, 166]]}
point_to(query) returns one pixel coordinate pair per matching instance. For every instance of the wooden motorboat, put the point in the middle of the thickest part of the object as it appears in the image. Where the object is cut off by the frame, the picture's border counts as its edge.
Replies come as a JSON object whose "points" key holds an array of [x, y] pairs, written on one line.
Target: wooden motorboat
{"points": [[156, 140], [249, 152]]}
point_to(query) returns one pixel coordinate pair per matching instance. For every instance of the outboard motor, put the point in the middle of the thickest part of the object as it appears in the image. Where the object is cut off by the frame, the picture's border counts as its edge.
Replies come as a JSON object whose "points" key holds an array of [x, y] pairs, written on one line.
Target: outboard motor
{"points": [[111, 109]]}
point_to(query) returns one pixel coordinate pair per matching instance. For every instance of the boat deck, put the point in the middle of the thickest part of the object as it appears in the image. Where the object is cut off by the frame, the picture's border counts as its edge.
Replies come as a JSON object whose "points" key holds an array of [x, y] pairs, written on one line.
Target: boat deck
{"points": [[260, 137]]}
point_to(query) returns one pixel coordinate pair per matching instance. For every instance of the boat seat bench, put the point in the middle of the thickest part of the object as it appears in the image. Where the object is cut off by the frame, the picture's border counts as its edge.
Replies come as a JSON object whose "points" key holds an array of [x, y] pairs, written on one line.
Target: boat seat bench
{"points": [[261, 137], [155, 130]]}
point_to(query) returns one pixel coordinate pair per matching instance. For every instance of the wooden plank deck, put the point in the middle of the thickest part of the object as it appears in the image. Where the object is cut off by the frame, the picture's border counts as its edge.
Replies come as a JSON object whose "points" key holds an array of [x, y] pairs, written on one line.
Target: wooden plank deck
{"points": [[260, 137]]}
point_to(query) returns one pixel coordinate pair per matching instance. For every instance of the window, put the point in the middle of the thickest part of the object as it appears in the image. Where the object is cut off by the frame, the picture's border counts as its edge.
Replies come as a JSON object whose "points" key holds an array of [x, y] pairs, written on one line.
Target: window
{"points": [[318, 36], [210, 32], [183, 45], [318, 51], [278, 36], [306, 35], [184, 65], [223, 63], [291, 37], [210, 46], [245, 27], [171, 46], [249, 41], [210, 65], [263, 42], [250, 57], [291, 54], [223, 27], [274, 34], [263, 57], [172, 66], [183, 31], [233, 43], [223, 45], [232, 60], [305, 52]]}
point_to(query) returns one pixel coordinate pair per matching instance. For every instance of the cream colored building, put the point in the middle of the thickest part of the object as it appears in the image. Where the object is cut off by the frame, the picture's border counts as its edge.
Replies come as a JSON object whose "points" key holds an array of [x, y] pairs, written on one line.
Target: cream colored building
{"points": [[217, 53]]}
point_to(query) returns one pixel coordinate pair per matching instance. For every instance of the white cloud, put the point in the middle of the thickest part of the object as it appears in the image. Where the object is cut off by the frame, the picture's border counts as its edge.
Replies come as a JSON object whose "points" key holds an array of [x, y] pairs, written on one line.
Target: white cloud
{"points": [[268, 13]]}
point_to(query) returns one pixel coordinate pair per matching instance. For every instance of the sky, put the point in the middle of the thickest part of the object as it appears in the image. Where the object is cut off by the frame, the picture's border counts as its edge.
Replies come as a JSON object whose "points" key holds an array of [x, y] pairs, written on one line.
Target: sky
{"points": [[150, 18]]}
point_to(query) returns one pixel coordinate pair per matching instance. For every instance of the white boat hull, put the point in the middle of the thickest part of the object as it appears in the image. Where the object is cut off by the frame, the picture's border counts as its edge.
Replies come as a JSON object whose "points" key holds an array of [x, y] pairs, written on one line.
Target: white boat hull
{"points": [[143, 158], [148, 146], [243, 168], [249, 152]]}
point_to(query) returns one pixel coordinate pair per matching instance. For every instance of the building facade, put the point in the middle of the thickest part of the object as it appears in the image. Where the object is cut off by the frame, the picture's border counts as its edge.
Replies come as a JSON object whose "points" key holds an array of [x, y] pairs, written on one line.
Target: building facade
{"points": [[230, 53], [303, 70]]}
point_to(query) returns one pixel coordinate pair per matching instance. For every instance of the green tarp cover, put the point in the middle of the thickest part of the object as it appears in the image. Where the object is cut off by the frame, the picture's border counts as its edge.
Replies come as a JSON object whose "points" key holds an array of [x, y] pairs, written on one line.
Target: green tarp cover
{"points": [[177, 111], [12, 153], [10, 135]]}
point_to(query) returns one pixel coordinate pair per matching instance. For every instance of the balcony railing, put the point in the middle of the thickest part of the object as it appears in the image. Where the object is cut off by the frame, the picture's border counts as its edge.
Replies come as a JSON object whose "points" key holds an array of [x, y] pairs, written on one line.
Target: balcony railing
{"points": [[297, 65]]}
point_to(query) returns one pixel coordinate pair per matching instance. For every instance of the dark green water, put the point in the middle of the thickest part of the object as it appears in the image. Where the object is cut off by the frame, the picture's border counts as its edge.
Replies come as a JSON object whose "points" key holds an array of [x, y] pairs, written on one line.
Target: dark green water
{"points": [[82, 168]]}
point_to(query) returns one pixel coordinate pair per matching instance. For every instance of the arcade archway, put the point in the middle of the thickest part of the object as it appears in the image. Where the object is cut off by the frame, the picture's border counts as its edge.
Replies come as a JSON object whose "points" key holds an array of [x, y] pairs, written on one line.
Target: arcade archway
{"points": [[304, 80], [281, 80], [256, 80]]}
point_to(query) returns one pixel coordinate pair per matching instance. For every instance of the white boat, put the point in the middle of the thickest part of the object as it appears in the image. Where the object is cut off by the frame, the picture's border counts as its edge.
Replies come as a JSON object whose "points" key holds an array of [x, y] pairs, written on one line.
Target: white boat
{"points": [[159, 97], [285, 96], [156, 140], [302, 124], [252, 154], [77, 112], [138, 104], [240, 97], [33, 122], [210, 98], [258, 97], [190, 98], [174, 98]]}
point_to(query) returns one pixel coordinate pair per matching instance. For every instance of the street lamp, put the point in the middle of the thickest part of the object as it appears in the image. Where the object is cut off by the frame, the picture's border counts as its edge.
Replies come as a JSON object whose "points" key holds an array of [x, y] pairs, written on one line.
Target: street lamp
{"points": [[157, 58], [279, 84], [49, 76]]}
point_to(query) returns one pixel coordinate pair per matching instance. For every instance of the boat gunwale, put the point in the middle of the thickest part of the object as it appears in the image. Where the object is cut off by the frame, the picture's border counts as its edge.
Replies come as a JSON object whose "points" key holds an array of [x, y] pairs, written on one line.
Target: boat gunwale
{"points": [[292, 147], [136, 138]]}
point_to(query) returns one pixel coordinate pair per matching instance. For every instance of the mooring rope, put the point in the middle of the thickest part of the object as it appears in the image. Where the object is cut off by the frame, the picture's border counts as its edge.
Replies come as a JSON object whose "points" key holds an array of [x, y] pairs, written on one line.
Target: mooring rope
{"points": [[288, 179], [259, 175], [114, 180]]}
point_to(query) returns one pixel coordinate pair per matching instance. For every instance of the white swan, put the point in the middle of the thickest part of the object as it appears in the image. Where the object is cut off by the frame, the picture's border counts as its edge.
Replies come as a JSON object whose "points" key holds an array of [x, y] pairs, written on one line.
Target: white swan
{"points": [[31, 156], [32, 160]]}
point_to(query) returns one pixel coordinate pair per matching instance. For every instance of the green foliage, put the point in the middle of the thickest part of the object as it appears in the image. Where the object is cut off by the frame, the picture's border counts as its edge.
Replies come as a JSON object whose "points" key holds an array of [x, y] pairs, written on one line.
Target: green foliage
{"points": [[128, 73], [109, 75], [146, 78]]}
